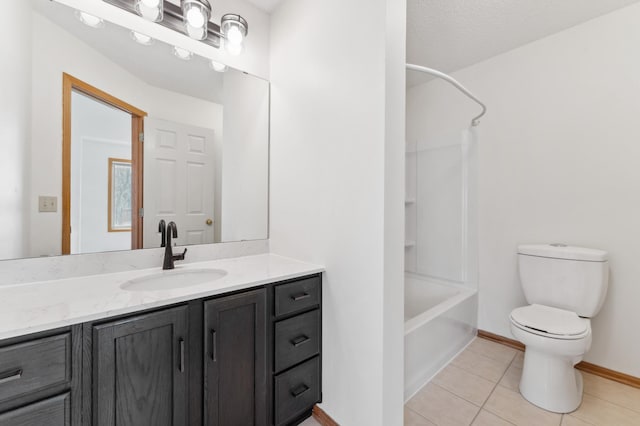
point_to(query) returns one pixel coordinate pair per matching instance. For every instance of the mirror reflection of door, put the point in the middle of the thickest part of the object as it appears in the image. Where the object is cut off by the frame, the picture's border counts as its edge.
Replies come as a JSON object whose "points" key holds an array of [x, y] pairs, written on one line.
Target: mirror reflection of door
{"points": [[102, 171], [179, 182]]}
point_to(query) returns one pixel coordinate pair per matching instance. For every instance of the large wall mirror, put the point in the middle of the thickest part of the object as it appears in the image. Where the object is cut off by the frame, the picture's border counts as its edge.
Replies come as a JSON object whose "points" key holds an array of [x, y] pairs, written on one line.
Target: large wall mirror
{"points": [[104, 136]]}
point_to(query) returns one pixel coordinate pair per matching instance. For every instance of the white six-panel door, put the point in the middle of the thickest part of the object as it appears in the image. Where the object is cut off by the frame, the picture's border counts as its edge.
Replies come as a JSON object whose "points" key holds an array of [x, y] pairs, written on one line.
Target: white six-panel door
{"points": [[178, 181]]}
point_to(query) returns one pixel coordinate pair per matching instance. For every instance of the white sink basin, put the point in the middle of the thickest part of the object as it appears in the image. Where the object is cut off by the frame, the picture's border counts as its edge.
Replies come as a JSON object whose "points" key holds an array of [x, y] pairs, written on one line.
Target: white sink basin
{"points": [[167, 280]]}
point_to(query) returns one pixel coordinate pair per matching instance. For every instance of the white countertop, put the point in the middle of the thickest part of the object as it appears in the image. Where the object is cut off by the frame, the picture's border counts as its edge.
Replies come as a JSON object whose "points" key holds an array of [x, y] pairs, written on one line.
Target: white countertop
{"points": [[46, 305]]}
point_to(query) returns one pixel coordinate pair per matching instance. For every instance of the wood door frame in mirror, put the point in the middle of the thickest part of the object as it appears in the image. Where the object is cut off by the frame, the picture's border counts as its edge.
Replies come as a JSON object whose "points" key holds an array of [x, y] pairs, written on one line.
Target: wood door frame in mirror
{"points": [[69, 84]]}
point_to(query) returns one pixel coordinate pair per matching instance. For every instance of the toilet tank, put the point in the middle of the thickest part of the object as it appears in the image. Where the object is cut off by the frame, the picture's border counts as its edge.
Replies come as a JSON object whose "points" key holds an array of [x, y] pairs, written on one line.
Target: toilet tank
{"points": [[565, 277]]}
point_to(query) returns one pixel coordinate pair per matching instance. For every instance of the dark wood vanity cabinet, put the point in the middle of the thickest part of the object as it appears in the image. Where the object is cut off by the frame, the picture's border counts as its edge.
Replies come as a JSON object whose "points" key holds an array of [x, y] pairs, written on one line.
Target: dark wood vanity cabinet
{"points": [[235, 362], [140, 372], [247, 358], [297, 343]]}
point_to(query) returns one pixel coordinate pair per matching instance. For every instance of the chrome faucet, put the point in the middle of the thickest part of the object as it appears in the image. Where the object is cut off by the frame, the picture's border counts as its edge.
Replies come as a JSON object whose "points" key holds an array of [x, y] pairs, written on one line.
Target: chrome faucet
{"points": [[169, 257]]}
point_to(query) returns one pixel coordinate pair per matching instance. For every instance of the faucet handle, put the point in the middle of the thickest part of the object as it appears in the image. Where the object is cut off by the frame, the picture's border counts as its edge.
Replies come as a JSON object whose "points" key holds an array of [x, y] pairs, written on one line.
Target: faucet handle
{"points": [[180, 256]]}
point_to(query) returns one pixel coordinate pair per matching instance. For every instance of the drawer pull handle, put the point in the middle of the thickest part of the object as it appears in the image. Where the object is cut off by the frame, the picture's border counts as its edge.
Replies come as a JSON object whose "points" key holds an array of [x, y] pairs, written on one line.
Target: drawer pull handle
{"points": [[299, 391], [214, 346], [181, 364], [10, 376], [300, 340], [300, 296]]}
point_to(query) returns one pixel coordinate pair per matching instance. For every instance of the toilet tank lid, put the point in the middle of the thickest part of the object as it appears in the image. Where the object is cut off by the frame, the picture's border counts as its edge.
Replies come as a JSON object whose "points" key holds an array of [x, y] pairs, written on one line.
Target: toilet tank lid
{"points": [[563, 251]]}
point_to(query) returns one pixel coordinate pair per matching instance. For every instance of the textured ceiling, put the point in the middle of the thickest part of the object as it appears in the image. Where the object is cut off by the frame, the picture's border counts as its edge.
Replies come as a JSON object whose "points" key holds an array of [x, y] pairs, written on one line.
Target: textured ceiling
{"points": [[452, 34]]}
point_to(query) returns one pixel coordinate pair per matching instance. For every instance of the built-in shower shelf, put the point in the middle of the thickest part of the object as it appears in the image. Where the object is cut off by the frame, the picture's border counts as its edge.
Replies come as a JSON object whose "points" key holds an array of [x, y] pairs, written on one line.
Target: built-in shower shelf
{"points": [[408, 244], [409, 201]]}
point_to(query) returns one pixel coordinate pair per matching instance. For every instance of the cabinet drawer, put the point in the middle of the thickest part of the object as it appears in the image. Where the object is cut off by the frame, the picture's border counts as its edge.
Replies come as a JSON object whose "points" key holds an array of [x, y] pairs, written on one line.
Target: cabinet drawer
{"points": [[297, 339], [296, 391], [297, 296], [31, 366], [50, 412]]}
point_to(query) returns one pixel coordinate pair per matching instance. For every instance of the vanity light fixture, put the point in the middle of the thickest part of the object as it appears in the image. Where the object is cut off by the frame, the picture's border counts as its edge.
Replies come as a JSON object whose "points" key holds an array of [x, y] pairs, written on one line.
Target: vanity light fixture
{"points": [[218, 66], [143, 39], [151, 10], [192, 19], [181, 53], [195, 14], [89, 20], [234, 29]]}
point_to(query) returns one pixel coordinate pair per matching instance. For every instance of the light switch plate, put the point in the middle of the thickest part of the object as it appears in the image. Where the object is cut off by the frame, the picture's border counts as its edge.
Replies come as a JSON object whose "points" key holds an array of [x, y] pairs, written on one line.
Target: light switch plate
{"points": [[47, 204]]}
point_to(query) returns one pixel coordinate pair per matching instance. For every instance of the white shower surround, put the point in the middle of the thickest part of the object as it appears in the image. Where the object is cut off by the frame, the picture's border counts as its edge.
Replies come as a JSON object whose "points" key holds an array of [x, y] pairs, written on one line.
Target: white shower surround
{"points": [[441, 295]]}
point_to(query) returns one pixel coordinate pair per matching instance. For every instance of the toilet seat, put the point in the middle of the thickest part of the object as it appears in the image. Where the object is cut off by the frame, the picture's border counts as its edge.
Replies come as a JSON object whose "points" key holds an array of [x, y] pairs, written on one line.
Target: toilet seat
{"points": [[550, 322]]}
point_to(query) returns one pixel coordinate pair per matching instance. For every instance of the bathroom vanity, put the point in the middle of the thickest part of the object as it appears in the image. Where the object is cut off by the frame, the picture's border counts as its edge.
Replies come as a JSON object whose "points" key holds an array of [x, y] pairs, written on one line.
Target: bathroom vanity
{"points": [[242, 349]]}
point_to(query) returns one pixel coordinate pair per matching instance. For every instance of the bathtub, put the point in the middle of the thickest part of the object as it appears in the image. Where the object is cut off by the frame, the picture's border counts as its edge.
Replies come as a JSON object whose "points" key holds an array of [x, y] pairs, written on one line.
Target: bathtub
{"points": [[440, 320]]}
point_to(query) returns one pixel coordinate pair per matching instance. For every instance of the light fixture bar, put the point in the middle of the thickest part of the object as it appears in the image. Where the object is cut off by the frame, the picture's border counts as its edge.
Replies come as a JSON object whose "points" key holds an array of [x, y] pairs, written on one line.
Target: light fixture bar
{"points": [[173, 20]]}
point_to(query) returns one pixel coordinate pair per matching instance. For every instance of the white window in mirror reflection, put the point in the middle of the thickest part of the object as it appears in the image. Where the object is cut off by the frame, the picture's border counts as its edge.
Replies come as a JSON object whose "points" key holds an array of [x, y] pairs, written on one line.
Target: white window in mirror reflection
{"points": [[119, 194]]}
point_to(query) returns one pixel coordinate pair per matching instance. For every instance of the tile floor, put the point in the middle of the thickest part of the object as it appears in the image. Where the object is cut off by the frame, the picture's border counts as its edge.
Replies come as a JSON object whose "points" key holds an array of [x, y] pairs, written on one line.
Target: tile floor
{"points": [[480, 388], [310, 422]]}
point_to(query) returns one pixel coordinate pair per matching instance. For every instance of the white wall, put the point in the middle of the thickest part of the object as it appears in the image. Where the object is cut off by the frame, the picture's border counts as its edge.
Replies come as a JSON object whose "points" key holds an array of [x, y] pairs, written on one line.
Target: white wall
{"points": [[558, 162], [337, 145], [245, 165], [15, 102], [98, 132], [55, 51]]}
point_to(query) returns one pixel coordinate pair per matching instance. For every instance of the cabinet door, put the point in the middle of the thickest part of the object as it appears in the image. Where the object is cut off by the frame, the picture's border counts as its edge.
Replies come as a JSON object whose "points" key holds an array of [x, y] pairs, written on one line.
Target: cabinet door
{"points": [[140, 370], [235, 360]]}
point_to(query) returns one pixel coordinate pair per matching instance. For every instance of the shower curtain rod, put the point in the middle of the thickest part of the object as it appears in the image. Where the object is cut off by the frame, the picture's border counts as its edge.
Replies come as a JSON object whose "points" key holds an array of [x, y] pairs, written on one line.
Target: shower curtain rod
{"points": [[476, 120]]}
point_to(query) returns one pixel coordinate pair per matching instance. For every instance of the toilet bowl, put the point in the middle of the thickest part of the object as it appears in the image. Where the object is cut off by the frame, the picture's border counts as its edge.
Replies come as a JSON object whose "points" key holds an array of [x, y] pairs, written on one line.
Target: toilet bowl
{"points": [[555, 340], [565, 286]]}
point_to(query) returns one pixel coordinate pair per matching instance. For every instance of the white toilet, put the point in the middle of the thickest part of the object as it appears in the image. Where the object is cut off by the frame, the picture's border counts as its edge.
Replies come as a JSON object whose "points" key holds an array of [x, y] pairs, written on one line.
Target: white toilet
{"points": [[565, 286]]}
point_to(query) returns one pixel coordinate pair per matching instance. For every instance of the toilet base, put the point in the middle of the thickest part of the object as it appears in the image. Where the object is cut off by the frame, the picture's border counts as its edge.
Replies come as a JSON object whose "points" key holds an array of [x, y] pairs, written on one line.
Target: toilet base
{"points": [[551, 382]]}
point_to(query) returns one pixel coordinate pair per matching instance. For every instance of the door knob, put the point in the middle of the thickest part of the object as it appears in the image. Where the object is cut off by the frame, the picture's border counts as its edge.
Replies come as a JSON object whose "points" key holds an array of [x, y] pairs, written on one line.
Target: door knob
{"points": [[209, 222]]}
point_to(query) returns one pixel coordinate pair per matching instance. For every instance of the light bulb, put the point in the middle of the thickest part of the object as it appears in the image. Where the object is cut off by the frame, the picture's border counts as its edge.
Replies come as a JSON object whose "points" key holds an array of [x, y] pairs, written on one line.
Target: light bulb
{"points": [[141, 38], [234, 35], [151, 10], [233, 48], [217, 66], [181, 53], [90, 20], [195, 17]]}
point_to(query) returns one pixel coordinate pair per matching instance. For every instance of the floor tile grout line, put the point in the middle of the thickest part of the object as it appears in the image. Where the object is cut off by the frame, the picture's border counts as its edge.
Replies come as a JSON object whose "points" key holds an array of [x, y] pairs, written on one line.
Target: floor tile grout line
{"points": [[415, 412], [491, 358], [477, 375], [488, 357], [637, 411], [578, 418], [608, 402], [456, 395], [491, 393]]}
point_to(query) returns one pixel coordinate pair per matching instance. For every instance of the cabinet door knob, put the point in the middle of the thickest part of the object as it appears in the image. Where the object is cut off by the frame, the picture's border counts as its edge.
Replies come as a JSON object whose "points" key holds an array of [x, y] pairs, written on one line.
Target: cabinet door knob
{"points": [[209, 222]]}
